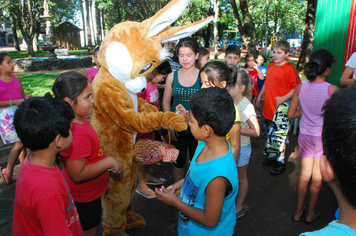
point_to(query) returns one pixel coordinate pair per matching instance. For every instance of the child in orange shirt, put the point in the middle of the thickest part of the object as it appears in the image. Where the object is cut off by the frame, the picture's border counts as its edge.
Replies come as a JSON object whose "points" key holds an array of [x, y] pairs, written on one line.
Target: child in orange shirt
{"points": [[281, 80]]}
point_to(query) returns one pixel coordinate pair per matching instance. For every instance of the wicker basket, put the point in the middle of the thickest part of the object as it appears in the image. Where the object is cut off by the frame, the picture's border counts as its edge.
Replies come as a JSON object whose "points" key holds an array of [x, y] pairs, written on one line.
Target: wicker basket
{"points": [[148, 152]]}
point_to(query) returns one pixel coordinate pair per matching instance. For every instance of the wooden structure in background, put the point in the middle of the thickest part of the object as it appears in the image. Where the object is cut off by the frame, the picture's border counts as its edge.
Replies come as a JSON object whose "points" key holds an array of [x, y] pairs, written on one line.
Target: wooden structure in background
{"points": [[67, 36]]}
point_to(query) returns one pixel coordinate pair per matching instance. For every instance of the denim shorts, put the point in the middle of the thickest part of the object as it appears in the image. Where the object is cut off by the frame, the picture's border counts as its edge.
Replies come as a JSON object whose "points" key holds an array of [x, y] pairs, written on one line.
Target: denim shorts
{"points": [[244, 157]]}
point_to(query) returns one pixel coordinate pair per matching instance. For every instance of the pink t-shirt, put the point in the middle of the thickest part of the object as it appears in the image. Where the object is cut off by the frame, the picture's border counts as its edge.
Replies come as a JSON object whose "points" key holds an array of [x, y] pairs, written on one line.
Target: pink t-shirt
{"points": [[91, 73], [312, 96], [43, 203], [10, 90], [85, 144], [151, 95]]}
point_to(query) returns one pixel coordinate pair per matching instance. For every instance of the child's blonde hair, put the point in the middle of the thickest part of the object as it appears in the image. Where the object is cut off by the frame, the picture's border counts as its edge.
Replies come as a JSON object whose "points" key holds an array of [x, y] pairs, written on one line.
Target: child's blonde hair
{"points": [[243, 79]]}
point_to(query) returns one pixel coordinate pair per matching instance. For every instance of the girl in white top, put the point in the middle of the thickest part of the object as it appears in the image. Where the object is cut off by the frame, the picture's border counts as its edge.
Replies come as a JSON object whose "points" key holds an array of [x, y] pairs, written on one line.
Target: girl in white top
{"points": [[249, 128]]}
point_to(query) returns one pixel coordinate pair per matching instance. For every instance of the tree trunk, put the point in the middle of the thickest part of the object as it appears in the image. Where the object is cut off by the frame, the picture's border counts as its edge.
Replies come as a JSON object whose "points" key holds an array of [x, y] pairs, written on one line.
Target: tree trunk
{"points": [[206, 37], [266, 36], [87, 8], [35, 43], [103, 24], [28, 40], [245, 25], [216, 36], [83, 21], [93, 22], [308, 38], [98, 24], [14, 33], [117, 9]]}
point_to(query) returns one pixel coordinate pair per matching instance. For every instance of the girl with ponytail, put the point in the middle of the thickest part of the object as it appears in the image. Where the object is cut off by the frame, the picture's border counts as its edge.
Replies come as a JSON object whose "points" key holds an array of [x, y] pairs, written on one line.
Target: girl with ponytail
{"points": [[311, 96]]}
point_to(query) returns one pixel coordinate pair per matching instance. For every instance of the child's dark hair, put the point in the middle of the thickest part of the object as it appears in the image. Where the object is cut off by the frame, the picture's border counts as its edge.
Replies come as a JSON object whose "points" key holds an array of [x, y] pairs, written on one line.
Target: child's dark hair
{"points": [[69, 84], [248, 55], [339, 138], [189, 43], [319, 62], [214, 107], [282, 44], [2, 56], [243, 79], [39, 120], [233, 49], [164, 68], [263, 56], [202, 52], [218, 72]]}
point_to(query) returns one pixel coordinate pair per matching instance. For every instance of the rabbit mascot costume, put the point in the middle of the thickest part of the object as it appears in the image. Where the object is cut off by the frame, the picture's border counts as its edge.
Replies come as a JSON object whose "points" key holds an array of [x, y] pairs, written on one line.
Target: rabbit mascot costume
{"points": [[129, 52]]}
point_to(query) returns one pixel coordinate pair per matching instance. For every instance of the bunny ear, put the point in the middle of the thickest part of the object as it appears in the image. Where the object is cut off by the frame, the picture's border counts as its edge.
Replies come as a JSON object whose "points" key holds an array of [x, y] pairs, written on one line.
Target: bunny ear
{"points": [[179, 32], [163, 18]]}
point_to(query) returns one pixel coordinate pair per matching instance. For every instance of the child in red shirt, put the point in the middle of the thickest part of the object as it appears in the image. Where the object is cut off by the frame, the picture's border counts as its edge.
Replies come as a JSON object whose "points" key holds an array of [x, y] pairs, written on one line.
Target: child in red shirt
{"points": [[254, 72], [43, 203], [86, 165]]}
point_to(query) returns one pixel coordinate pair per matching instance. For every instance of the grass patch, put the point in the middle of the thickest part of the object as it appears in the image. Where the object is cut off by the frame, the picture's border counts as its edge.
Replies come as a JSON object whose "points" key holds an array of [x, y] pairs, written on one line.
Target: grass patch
{"points": [[40, 53], [38, 84]]}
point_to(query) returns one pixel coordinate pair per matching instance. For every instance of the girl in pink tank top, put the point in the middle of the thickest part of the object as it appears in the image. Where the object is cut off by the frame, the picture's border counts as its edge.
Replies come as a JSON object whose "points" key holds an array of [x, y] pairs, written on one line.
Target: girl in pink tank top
{"points": [[311, 96], [11, 96]]}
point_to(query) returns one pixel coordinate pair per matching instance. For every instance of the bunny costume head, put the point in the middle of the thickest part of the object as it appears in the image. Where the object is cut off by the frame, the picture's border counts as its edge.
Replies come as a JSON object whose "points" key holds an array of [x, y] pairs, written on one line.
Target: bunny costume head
{"points": [[129, 52]]}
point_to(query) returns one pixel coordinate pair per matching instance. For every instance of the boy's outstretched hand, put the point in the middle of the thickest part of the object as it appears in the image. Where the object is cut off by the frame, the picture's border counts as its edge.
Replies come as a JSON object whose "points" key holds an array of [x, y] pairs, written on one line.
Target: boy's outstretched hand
{"points": [[166, 196], [180, 109], [171, 194]]}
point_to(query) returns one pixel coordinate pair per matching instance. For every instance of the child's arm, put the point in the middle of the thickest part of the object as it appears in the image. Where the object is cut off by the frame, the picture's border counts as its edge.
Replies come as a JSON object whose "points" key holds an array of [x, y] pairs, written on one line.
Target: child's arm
{"points": [[333, 89], [280, 100], [214, 201], [254, 127], [79, 171], [24, 96], [166, 102], [259, 97], [259, 73], [235, 139], [345, 77], [12, 103], [176, 187], [293, 111]]}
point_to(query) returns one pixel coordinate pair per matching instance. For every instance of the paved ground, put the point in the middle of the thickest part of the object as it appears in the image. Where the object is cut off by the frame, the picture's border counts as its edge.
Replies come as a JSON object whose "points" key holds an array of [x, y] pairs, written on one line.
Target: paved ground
{"points": [[270, 201]]}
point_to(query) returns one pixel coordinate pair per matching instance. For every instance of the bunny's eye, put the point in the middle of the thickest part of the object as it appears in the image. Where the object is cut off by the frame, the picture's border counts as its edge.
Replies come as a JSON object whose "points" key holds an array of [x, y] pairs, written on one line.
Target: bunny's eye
{"points": [[144, 69]]}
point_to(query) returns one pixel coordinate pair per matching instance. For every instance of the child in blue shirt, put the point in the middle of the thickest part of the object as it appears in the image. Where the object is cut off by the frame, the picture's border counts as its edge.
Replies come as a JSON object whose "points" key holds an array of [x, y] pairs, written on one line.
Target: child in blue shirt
{"points": [[338, 164], [207, 194]]}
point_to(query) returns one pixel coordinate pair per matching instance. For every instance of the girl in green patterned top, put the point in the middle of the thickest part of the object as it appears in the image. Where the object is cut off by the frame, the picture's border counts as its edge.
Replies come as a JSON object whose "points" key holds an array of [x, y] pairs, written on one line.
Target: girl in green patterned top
{"points": [[181, 85]]}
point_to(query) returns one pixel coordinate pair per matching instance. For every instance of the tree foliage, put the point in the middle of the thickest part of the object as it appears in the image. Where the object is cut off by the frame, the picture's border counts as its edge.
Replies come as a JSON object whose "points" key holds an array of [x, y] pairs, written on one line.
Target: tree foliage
{"points": [[284, 17], [26, 15]]}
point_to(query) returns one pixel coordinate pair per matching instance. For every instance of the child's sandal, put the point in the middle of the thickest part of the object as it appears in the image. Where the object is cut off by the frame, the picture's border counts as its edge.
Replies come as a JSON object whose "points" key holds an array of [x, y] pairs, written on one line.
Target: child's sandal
{"points": [[5, 175]]}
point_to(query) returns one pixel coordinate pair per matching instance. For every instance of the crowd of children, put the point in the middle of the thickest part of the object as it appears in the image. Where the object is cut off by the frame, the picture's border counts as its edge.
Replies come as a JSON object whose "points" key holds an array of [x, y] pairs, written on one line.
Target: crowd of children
{"points": [[215, 98]]}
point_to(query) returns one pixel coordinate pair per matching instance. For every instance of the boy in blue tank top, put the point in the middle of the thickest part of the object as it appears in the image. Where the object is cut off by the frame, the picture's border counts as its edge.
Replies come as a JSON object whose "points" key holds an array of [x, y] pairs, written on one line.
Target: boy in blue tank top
{"points": [[207, 193]]}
